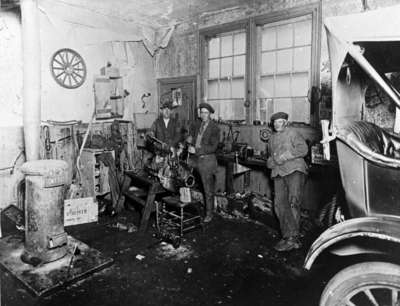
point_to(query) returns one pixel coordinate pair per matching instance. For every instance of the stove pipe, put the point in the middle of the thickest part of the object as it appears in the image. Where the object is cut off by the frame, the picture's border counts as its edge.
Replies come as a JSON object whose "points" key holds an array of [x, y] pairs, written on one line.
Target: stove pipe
{"points": [[31, 78]]}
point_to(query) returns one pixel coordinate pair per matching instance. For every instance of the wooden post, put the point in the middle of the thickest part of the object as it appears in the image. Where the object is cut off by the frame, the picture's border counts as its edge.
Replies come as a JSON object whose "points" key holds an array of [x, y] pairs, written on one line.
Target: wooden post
{"points": [[31, 77]]}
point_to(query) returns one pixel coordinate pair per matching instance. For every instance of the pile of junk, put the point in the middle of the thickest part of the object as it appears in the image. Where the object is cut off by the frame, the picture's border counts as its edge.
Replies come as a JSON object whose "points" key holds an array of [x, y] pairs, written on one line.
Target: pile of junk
{"points": [[172, 167]]}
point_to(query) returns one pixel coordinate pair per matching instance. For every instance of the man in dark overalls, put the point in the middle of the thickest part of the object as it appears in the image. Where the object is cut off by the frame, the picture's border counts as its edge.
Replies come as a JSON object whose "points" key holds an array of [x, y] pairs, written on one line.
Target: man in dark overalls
{"points": [[286, 149], [166, 128], [204, 137]]}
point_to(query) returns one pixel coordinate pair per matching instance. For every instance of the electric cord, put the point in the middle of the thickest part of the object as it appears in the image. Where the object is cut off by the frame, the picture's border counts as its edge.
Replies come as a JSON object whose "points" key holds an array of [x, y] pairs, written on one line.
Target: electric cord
{"points": [[14, 163]]}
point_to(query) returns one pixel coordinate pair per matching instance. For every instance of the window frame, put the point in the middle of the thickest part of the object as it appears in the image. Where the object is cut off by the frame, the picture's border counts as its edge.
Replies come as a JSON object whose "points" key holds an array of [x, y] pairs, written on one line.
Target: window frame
{"points": [[210, 32], [249, 25]]}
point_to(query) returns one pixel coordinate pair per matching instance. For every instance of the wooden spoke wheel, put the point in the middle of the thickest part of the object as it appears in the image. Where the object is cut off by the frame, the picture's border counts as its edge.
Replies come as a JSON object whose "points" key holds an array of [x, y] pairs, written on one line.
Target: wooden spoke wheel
{"points": [[68, 68]]}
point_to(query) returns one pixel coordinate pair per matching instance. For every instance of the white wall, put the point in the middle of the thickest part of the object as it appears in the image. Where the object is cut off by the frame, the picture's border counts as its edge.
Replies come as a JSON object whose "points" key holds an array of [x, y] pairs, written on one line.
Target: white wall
{"points": [[10, 69], [58, 103]]}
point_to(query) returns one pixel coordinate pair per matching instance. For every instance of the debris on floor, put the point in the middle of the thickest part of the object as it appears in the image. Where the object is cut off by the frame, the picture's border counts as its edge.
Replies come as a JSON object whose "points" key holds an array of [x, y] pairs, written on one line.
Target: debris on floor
{"points": [[140, 257], [231, 262], [168, 251], [129, 227]]}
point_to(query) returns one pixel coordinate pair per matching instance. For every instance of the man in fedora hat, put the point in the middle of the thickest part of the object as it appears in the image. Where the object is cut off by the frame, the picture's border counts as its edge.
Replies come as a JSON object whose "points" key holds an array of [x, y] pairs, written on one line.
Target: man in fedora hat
{"points": [[287, 149], [166, 128], [204, 139]]}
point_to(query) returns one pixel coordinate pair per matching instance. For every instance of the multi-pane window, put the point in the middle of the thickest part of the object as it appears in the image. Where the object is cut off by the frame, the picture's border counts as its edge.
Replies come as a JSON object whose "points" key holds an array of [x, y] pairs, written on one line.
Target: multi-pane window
{"points": [[282, 55], [226, 75], [284, 68]]}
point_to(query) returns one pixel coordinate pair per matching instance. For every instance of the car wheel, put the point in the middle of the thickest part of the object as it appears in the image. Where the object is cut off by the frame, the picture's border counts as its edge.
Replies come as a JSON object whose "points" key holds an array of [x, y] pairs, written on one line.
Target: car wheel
{"points": [[368, 283]]}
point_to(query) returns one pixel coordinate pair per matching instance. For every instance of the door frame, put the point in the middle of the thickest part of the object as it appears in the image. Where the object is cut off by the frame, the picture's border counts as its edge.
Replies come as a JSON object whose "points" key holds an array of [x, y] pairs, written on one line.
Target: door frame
{"points": [[176, 82]]}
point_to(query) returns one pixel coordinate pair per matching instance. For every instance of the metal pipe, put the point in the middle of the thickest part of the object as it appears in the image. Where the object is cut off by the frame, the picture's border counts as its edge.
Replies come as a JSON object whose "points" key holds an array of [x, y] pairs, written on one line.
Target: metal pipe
{"points": [[31, 78]]}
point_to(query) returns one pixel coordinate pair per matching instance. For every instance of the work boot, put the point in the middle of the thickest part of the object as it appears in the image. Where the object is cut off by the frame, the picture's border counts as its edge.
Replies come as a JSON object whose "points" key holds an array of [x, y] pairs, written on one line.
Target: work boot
{"points": [[287, 244]]}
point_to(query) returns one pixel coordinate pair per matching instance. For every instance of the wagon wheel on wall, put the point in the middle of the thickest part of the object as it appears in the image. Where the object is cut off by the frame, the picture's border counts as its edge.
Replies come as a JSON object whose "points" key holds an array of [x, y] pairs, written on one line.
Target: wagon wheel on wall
{"points": [[68, 68]]}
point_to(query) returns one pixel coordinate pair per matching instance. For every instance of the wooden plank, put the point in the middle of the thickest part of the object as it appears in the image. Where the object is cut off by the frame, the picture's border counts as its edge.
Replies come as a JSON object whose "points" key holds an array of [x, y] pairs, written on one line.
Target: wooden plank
{"points": [[124, 189], [147, 209], [131, 195]]}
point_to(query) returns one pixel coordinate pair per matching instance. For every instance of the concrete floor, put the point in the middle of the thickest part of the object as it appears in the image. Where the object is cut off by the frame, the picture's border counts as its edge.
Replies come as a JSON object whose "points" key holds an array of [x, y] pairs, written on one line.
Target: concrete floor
{"points": [[231, 263]]}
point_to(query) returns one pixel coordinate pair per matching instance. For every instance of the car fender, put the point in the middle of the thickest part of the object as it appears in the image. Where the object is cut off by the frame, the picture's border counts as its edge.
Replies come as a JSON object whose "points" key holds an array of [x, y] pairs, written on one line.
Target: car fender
{"points": [[380, 227]]}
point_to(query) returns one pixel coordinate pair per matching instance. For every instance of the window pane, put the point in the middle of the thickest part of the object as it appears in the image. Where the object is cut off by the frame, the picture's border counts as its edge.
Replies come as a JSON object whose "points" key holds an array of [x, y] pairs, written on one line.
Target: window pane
{"points": [[238, 88], [282, 86], [239, 110], [226, 45], [302, 33], [239, 43], [268, 62], [283, 105], [284, 67], [213, 68], [268, 39], [226, 75], [284, 35], [215, 105], [213, 47], [226, 66], [263, 109], [226, 108], [224, 89], [300, 110], [302, 58], [239, 65], [266, 87], [300, 84], [231, 109], [284, 61], [212, 89]]}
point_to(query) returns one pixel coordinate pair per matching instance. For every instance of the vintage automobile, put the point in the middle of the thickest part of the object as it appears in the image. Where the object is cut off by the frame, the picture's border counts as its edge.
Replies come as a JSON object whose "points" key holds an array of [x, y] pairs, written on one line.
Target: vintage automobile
{"points": [[364, 49]]}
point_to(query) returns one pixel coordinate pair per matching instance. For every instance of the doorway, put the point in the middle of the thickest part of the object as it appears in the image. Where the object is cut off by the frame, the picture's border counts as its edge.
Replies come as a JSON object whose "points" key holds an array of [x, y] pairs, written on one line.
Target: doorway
{"points": [[183, 90]]}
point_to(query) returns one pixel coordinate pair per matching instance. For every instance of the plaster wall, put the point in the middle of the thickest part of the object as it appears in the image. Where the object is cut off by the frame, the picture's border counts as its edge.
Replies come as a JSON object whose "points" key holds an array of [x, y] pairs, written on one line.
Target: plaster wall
{"points": [[181, 56], [58, 103], [135, 63], [10, 69], [11, 140]]}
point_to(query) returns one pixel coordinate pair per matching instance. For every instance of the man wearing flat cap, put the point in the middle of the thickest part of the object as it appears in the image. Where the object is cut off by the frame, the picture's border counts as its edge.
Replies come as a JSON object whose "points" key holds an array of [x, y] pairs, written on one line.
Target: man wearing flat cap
{"points": [[287, 149], [204, 139], [166, 128]]}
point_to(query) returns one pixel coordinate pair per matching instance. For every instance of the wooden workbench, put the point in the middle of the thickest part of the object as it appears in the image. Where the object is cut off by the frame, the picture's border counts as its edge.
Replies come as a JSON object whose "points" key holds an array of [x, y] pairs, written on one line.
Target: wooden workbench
{"points": [[227, 160], [144, 181]]}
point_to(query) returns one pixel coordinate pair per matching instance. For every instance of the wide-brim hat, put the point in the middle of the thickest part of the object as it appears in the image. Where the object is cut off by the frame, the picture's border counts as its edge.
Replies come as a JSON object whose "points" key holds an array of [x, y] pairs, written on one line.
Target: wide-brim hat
{"points": [[279, 115], [207, 106]]}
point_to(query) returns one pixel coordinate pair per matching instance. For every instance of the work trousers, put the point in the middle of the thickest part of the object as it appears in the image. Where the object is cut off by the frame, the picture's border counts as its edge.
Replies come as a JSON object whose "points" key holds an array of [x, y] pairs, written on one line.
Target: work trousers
{"points": [[207, 167], [287, 204]]}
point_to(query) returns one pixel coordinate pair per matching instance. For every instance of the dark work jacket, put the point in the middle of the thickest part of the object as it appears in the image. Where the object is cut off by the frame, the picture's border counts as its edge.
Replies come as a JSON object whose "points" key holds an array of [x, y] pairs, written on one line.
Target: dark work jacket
{"points": [[287, 150], [171, 135], [210, 139]]}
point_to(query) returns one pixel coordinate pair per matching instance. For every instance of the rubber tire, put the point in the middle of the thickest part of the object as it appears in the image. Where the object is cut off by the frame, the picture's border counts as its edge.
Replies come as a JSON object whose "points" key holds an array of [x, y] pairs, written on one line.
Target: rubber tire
{"points": [[355, 276]]}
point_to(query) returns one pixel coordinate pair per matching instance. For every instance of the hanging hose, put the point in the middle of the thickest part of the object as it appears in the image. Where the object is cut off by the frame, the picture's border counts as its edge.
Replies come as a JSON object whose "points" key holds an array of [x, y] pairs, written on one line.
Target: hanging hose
{"points": [[83, 145]]}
